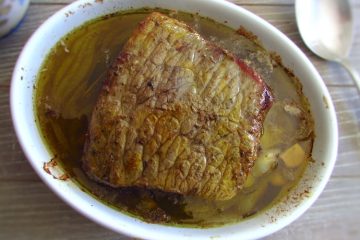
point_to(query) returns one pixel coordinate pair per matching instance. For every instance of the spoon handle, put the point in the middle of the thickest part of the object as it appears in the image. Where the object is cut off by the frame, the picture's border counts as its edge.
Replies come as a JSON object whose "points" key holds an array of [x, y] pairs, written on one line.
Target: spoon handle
{"points": [[352, 71]]}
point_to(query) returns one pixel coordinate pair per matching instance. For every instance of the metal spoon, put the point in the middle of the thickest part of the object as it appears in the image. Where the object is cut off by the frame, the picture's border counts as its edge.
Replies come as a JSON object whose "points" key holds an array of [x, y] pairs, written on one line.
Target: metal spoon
{"points": [[326, 26]]}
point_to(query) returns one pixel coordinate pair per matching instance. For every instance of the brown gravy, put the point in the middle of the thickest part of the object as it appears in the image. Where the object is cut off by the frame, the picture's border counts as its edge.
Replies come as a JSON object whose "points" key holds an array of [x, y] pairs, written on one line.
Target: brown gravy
{"points": [[70, 80]]}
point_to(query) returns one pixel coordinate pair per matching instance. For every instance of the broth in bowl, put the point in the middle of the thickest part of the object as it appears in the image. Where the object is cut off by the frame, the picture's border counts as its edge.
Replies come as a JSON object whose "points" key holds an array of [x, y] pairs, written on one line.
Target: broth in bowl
{"points": [[70, 81]]}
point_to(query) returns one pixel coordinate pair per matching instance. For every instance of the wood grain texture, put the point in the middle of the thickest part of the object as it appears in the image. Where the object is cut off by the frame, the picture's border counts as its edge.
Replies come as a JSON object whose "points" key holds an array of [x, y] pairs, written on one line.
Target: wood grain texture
{"points": [[280, 16], [29, 210]]}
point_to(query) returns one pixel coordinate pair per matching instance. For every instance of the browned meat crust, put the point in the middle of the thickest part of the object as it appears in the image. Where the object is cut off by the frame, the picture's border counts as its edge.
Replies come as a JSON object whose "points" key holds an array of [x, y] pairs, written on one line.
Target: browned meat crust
{"points": [[177, 113]]}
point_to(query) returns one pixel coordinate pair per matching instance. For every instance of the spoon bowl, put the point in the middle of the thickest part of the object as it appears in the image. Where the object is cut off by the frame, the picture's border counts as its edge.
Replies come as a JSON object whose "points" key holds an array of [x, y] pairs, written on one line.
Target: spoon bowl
{"points": [[326, 26]]}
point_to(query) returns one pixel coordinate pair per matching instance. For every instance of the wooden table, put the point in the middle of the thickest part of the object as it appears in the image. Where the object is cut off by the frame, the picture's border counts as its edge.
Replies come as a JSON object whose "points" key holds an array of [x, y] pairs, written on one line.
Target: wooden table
{"points": [[29, 210]]}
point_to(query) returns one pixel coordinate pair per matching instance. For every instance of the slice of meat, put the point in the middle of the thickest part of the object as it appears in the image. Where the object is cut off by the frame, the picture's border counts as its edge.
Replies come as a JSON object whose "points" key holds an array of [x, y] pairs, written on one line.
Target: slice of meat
{"points": [[177, 113]]}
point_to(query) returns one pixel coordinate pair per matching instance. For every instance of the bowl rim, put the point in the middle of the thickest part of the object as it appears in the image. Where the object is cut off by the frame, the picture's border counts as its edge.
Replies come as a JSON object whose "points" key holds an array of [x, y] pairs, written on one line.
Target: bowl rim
{"points": [[134, 227]]}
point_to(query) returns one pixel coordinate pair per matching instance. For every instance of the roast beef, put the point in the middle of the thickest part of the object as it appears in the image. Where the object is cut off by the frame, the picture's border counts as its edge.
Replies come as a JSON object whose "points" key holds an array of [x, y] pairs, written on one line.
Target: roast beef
{"points": [[177, 113]]}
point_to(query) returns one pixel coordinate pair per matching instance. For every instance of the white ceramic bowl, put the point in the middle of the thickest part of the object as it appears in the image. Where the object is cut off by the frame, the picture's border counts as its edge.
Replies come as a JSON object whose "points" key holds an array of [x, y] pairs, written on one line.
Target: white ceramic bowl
{"points": [[282, 214]]}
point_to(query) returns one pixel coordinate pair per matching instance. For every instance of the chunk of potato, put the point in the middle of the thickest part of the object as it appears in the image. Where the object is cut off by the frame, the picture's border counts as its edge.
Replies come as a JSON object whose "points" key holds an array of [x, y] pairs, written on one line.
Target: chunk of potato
{"points": [[293, 156], [277, 179], [248, 202], [265, 162]]}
